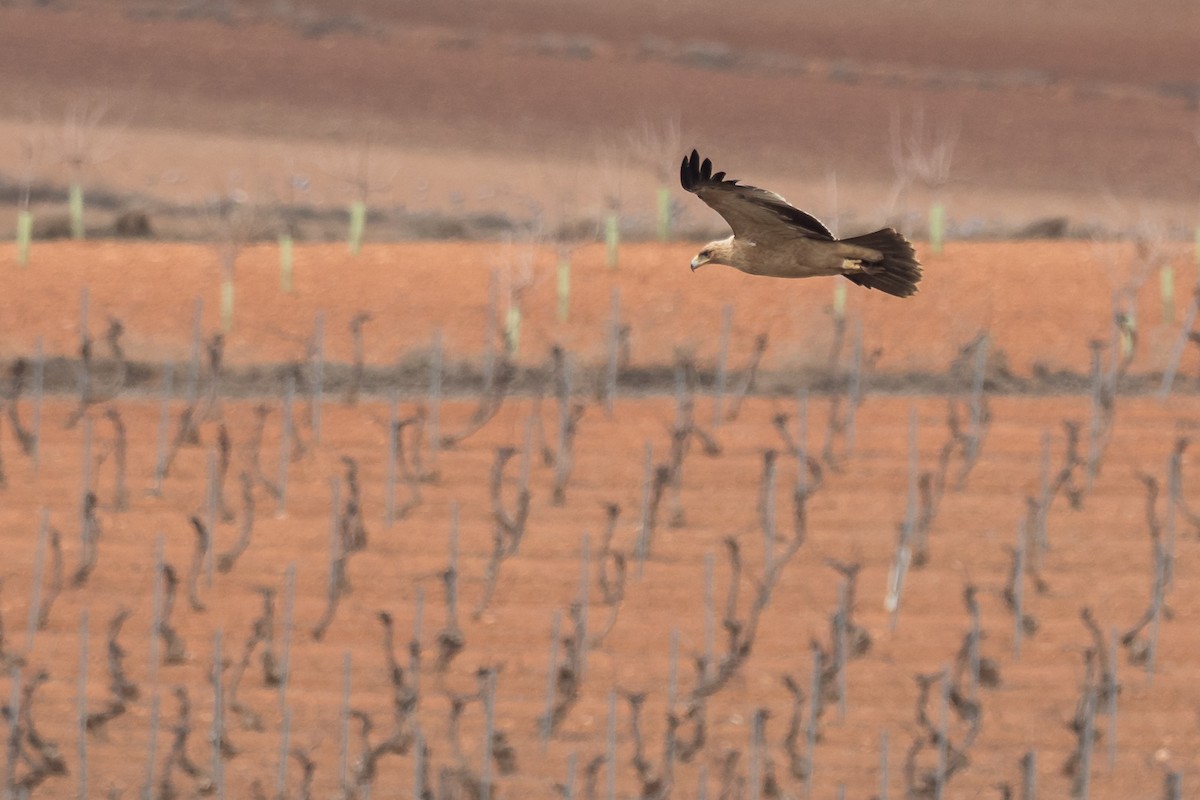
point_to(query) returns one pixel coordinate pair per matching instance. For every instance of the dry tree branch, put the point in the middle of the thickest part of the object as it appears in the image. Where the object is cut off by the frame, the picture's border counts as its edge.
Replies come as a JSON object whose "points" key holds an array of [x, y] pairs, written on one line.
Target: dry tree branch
{"points": [[746, 383], [404, 692], [654, 783], [17, 386], [214, 349], [1141, 652], [178, 757], [695, 715], [81, 142], [570, 672], [1014, 588], [683, 431], [569, 415], [857, 639], [1083, 726], [1108, 684], [490, 401], [43, 759], [970, 663], [920, 156], [656, 147], [610, 574], [202, 543], [1176, 484], [6, 659], [641, 765], [742, 632], [512, 525], [87, 395], [845, 402], [254, 448], [356, 370], [413, 473], [56, 579], [336, 587], [224, 460], [929, 782], [797, 764], [91, 534], [308, 768], [814, 474], [450, 639], [507, 529], [227, 560], [123, 690], [175, 652], [733, 785], [112, 337], [3, 476], [120, 493], [353, 529], [404, 702], [188, 433], [1064, 480], [261, 633]]}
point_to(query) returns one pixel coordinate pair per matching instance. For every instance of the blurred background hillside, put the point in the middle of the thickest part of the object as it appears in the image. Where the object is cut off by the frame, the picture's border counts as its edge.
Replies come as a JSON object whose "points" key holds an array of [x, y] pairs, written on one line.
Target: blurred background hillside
{"points": [[480, 119]]}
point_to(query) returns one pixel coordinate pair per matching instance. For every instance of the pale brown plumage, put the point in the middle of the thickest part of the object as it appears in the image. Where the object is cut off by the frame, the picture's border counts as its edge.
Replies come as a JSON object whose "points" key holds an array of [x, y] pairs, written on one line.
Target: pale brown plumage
{"points": [[773, 238]]}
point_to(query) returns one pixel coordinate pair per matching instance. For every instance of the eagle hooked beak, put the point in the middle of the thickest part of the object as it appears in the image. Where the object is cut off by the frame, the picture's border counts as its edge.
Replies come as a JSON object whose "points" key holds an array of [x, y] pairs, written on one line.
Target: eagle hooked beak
{"points": [[699, 261]]}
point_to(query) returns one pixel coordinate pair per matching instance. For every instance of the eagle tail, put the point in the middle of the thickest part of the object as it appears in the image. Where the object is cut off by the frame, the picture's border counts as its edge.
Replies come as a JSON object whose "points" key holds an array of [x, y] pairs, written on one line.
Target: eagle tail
{"points": [[897, 273]]}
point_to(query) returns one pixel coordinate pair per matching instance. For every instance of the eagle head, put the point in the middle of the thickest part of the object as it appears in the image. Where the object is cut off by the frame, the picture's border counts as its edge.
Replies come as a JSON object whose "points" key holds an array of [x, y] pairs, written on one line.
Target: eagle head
{"points": [[717, 252]]}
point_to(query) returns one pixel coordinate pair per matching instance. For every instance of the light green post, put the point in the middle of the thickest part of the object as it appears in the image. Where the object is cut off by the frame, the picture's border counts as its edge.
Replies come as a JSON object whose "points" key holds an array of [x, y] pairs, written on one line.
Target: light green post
{"points": [[564, 287], [285, 262], [664, 213], [1128, 331], [227, 304], [512, 330], [75, 209], [1166, 280], [24, 236], [612, 238], [937, 226], [839, 300], [358, 224]]}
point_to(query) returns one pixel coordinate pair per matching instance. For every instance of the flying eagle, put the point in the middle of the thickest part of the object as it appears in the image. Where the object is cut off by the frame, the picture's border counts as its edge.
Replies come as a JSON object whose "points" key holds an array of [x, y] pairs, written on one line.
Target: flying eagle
{"points": [[773, 238]]}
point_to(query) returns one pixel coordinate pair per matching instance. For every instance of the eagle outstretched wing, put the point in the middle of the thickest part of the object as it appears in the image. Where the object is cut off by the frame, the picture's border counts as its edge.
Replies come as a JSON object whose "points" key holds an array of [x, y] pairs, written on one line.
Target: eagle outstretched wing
{"points": [[751, 212]]}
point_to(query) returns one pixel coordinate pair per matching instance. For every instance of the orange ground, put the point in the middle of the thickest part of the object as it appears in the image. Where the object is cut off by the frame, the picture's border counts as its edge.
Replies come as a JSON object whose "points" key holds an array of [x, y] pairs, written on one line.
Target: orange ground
{"points": [[1099, 557], [525, 109], [1042, 302]]}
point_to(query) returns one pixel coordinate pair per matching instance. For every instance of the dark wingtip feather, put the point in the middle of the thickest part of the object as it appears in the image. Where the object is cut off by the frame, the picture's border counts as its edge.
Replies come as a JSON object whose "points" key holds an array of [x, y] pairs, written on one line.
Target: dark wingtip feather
{"points": [[694, 173], [689, 172]]}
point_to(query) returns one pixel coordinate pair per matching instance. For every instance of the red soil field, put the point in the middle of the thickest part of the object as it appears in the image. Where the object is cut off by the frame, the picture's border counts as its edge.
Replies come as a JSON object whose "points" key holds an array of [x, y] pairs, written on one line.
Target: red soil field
{"points": [[1100, 555], [1042, 302], [1082, 112]]}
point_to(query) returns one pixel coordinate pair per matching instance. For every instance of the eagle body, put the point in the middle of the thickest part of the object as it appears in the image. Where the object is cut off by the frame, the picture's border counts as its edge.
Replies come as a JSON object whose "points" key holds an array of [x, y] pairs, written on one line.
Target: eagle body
{"points": [[773, 238], [789, 257]]}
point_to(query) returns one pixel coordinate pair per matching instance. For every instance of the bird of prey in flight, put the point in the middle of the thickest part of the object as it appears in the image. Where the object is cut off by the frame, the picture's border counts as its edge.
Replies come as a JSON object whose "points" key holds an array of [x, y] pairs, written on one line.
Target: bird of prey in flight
{"points": [[773, 238]]}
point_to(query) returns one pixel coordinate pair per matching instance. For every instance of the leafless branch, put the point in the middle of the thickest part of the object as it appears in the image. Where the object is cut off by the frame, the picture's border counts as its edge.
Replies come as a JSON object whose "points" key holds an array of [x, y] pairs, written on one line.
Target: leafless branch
{"points": [[91, 535], [261, 633], [202, 543], [123, 690], [56, 579], [226, 560]]}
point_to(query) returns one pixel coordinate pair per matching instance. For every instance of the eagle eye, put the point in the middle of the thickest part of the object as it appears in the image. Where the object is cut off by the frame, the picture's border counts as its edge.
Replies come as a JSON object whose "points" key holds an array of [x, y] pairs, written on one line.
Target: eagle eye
{"points": [[706, 253]]}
